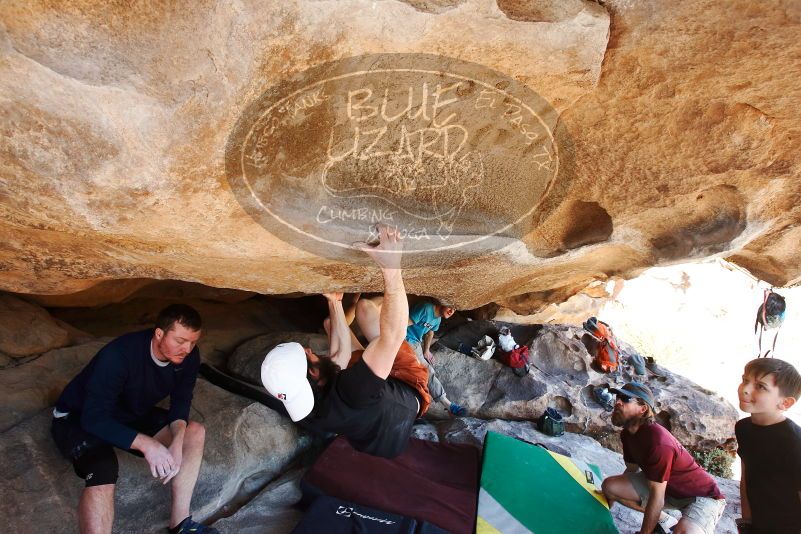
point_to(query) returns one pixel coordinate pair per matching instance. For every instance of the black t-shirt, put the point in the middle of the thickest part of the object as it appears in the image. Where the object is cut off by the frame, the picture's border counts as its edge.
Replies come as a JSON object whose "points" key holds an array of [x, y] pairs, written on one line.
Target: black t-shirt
{"points": [[375, 415], [772, 458]]}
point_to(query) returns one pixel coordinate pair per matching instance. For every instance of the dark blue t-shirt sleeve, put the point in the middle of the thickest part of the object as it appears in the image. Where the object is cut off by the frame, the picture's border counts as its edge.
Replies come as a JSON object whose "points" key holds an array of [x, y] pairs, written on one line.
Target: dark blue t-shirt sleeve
{"points": [[181, 396], [103, 391], [358, 386]]}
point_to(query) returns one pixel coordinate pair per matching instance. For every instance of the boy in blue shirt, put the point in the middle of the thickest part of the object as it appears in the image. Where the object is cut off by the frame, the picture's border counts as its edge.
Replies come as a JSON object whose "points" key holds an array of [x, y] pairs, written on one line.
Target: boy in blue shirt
{"points": [[769, 446], [424, 320]]}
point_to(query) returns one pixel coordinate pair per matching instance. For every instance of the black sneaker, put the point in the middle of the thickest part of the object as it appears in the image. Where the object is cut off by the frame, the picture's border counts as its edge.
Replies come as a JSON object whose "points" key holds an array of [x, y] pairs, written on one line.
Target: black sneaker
{"points": [[188, 526], [666, 524]]}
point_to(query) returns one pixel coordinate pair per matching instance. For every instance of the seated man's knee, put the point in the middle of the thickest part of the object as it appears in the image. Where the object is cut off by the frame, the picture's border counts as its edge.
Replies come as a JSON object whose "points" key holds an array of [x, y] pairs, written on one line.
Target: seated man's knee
{"points": [[611, 486], [606, 486], [685, 526], [98, 467], [195, 432]]}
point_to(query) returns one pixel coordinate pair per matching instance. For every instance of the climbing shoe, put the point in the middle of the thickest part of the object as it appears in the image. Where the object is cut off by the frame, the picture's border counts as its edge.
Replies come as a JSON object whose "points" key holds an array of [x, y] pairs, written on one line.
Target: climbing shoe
{"points": [[188, 526], [458, 411], [665, 524], [604, 398]]}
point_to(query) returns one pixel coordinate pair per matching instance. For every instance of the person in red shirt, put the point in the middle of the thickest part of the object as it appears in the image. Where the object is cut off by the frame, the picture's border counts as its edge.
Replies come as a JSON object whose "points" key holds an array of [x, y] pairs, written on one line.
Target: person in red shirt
{"points": [[660, 473]]}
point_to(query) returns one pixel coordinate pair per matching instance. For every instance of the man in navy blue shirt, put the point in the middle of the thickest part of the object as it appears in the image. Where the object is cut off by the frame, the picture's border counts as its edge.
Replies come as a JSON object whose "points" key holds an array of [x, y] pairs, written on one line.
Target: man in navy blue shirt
{"points": [[112, 403]]}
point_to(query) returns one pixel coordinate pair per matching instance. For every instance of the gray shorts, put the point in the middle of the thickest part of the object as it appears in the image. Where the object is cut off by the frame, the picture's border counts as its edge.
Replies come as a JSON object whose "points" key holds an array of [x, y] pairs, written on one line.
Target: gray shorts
{"points": [[434, 385], [703, 511]]}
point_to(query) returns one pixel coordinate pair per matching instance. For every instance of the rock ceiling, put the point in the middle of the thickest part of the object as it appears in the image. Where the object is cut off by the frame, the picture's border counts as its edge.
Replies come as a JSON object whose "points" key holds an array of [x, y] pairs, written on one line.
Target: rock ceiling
{"points": [[127, 133]]}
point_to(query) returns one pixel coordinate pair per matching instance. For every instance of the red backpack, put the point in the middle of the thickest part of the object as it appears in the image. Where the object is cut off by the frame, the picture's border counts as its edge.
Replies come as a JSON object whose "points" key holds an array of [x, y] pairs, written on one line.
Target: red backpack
{"points": [[607, 353], [516, 359]]}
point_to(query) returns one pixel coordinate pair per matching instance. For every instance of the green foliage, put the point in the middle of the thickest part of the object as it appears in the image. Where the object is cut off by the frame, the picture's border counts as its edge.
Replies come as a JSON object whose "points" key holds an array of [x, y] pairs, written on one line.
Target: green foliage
{"points": [[715, 461]]}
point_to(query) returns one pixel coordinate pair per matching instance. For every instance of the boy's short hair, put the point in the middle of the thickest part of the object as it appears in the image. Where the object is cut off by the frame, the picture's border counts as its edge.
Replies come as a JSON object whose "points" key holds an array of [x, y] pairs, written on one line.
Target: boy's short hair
{"points": [[784, 374], [181, 314], [445, 304]]}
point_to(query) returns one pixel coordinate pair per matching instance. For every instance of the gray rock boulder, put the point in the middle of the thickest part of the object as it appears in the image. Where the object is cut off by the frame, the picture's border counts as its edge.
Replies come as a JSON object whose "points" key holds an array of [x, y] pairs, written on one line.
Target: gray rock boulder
{"points": [[244, 442], [272, 511], [27, 329], [30, 387], [561, 377], [246, 359]]}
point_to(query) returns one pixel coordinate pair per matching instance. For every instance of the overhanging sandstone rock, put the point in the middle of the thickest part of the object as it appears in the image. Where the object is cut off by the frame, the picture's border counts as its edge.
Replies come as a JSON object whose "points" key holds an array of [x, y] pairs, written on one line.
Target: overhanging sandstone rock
{"points": [[114, 133]]}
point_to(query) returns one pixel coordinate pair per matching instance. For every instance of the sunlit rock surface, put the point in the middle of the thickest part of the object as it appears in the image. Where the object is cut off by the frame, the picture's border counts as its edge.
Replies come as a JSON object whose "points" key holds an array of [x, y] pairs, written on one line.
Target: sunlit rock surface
{"points": [[678, 121]]}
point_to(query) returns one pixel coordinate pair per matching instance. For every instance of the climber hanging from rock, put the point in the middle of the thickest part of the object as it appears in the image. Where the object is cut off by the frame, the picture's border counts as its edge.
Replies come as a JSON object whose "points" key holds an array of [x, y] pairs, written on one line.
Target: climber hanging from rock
{"points": [[371, 395]]}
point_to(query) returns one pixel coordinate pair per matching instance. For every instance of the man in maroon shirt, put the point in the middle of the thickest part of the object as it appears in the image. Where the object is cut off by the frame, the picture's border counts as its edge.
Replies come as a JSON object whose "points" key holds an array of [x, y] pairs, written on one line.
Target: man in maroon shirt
{"points": [[660, 473]]}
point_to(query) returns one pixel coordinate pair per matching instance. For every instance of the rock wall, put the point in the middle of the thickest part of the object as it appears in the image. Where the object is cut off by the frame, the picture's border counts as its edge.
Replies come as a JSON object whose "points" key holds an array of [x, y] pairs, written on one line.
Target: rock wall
{"points": [[678, 121], [561, 377], [248, 440]]}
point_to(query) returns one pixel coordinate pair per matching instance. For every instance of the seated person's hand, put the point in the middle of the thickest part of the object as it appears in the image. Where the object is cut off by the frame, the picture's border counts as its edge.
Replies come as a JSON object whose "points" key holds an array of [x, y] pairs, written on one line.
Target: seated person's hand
{"points": [[428, 356], [176, 450], [160, 460]]}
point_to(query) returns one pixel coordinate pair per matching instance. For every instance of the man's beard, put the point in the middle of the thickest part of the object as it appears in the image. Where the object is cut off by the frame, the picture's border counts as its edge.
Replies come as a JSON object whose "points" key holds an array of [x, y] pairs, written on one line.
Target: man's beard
{"points": [[321, 385], [618, 419]]}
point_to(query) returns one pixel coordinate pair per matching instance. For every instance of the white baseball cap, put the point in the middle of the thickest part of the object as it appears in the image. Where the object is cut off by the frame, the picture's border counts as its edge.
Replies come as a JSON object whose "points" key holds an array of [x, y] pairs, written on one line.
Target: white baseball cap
{"points": [[283, 373]]}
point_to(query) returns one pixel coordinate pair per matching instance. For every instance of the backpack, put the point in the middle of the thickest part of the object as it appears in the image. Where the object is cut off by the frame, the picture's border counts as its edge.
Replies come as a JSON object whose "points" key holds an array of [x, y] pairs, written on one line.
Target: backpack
{"points": [[607, 353], [517, 359], [770, 315], [484, 349], [551, 423]]}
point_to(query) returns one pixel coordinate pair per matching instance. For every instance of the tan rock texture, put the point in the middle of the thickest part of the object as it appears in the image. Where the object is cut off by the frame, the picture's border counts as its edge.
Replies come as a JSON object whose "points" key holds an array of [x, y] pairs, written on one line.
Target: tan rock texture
{"points": [[31, 387], [26, 329], [114, 119]]}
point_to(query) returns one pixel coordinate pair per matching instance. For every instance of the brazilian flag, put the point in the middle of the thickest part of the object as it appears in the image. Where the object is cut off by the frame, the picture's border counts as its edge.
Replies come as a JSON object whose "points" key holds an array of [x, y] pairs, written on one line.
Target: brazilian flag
{"points": [[528, 489]]}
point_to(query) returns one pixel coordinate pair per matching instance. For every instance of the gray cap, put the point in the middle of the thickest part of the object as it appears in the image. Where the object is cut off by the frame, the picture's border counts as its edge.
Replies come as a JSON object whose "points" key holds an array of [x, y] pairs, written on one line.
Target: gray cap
{"points": [[636, 389]]}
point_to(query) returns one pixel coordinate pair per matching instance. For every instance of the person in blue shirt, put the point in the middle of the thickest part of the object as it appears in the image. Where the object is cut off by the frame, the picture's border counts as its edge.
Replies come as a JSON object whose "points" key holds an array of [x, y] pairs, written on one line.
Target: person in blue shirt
{"points": [[112, 403], [424, 320]]}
